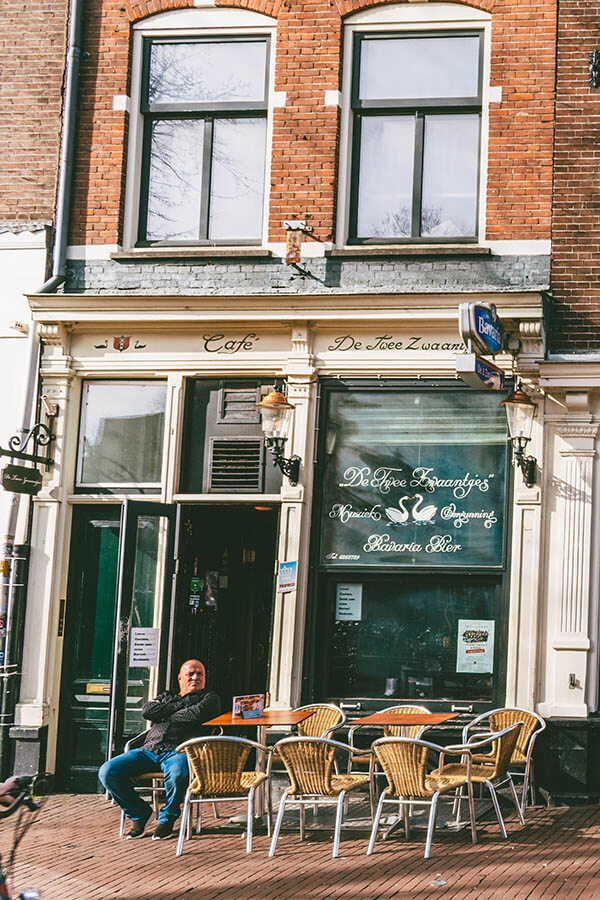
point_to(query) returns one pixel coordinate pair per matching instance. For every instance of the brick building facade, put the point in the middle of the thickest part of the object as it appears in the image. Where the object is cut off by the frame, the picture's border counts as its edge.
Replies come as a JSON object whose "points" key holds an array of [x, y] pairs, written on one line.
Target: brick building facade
{"points": [[411, 146], [575, 220]]}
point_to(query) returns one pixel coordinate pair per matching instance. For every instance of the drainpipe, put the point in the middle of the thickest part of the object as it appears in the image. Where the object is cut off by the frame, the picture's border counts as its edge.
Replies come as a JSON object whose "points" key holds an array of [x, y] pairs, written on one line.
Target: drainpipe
{"points": [[14, 561]]}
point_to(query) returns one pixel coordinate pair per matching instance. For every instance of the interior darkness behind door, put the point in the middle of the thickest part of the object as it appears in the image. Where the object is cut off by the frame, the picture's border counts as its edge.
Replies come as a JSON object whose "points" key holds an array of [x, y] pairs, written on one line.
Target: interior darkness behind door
{"points": [[225, 595]]}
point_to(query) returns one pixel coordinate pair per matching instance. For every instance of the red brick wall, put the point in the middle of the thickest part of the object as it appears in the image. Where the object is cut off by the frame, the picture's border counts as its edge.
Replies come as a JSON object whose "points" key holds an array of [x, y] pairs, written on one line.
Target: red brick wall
{"points": [[32, 57], [575, 324], [306, 133]]}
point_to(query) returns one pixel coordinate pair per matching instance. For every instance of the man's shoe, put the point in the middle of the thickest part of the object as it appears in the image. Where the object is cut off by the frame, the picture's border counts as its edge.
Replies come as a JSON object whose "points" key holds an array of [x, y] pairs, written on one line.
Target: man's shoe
{"points": [[138, 827], [163, 830]]}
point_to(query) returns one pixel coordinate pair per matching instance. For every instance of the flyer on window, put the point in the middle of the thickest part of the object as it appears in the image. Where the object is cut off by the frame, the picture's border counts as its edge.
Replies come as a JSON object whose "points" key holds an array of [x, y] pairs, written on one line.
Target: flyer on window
{"points": [[475, 645]]}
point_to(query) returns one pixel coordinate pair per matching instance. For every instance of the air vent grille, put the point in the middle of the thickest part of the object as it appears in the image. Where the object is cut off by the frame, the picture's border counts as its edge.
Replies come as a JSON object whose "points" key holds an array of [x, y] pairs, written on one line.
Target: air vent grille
{"points": [[236, 465]]}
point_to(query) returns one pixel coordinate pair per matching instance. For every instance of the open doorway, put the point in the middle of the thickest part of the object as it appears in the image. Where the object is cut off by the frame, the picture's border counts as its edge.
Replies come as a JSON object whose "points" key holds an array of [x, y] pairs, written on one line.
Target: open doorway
{"points": [[225, 595]]}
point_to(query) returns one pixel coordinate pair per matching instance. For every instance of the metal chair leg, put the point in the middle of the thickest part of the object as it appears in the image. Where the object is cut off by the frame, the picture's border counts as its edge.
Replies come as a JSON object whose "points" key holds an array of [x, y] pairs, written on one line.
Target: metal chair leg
{"points": [[431, 825], [122, 824], [184, 820], [250, 822], [277, 826], [302, 816], [516, 799], [497, 808], [376, 823], [338, 824], [199, 819], [472, 811]]}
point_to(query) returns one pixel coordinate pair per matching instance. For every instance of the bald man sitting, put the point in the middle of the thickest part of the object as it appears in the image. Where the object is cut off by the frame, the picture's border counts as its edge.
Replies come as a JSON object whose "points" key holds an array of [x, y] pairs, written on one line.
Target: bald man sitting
{"points": [[175, 718]]}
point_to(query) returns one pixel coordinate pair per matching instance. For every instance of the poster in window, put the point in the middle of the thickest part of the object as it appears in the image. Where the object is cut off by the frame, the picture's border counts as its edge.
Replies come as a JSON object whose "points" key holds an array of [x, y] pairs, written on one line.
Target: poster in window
{"points": [[475, 646], [348, 602]]}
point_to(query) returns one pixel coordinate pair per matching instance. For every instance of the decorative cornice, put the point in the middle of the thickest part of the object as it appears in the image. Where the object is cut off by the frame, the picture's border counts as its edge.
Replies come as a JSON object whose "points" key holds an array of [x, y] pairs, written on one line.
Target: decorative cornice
{"points": [[578, 429]]}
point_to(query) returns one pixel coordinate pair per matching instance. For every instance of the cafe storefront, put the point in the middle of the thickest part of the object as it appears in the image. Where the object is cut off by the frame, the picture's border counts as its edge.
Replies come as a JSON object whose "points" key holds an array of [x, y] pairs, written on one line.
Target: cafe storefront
{"points": [[157, 534]]}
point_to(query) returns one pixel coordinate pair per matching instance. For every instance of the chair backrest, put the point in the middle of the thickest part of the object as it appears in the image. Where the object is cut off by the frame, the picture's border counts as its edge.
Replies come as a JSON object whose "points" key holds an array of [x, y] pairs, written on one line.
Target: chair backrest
{"points": [[324, 719], [409, 731], [216, 764], [503, 744], [404, 764], [532, 725], [308, 762]]}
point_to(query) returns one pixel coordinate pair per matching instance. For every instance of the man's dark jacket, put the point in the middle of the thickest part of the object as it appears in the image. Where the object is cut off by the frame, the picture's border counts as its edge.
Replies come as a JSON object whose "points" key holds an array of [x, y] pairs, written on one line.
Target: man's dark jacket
{"points": [[176, 719]]}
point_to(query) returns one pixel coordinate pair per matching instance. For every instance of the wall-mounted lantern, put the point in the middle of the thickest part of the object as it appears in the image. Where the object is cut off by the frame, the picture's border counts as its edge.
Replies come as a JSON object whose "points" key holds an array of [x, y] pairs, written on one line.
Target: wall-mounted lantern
{"points": [[276, 414], [520, 412]]}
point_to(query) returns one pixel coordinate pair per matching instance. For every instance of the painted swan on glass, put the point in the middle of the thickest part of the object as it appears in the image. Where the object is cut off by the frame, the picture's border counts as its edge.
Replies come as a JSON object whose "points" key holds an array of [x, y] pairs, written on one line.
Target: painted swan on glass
{"points": [[423, 515], [399, 517]]}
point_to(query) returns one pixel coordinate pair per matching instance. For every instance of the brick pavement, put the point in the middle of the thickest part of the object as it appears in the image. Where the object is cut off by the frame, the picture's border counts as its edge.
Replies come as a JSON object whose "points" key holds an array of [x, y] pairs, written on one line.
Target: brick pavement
{"points": [[72, 852]]}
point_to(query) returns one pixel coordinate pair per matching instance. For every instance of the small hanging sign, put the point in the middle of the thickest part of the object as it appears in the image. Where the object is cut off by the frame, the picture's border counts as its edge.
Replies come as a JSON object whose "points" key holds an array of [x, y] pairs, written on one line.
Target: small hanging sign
{"points": [[21, 479], [144, 647], [478, 372]]}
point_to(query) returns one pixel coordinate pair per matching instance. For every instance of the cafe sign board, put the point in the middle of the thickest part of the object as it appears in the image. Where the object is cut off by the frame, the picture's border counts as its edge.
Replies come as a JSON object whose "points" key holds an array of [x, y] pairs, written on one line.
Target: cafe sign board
{"points": [[21, 479], [478, 372], [480, 327]]}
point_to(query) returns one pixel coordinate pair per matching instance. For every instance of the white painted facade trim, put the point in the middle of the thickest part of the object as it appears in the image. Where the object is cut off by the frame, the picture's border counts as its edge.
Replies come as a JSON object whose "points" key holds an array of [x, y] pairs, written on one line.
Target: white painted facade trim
{"points": [[121, 102], [518, 248]]}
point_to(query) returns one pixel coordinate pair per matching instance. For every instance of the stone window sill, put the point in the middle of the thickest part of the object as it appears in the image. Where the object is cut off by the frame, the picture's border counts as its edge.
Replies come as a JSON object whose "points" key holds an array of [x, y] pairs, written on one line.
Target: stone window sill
{"points": [[408, 250], [191, 253]]}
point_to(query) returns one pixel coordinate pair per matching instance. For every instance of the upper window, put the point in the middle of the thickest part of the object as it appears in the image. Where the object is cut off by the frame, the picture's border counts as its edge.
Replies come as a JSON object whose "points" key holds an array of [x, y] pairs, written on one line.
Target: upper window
{"points": [[204, 103], [416, 104]]}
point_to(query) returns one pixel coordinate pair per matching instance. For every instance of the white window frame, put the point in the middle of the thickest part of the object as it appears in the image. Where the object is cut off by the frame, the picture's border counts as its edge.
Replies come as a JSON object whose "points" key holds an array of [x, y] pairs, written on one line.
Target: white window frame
{"points": [[406, 18], [184, 23]]}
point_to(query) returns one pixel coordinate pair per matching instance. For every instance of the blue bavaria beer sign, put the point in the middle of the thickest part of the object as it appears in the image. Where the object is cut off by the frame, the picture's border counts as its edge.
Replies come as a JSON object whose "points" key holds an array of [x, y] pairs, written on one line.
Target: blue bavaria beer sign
{"points": [[480, 327]]}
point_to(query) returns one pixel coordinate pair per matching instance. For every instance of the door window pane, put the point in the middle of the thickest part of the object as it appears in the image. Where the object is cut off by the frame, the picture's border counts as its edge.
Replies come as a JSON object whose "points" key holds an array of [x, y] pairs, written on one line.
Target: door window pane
{"points": [[450, 170], [207, 71], [238, 175], [386, 176], [121, 434], [175, 179], [416, 68]]}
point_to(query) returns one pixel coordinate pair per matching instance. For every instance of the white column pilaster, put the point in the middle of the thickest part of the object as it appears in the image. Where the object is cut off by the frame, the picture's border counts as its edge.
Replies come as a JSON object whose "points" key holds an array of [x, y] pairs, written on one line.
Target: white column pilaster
{"points": [[568, 668], [46, 595], [294, 534]]}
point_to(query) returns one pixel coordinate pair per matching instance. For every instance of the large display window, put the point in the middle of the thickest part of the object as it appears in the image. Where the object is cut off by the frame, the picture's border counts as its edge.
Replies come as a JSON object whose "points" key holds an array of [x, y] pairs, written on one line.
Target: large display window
{"points": [[410, 549]]}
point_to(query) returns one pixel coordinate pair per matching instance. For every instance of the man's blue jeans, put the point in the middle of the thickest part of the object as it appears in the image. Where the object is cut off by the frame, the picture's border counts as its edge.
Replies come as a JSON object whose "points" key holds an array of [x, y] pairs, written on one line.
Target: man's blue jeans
{"points": [[116, 776]]}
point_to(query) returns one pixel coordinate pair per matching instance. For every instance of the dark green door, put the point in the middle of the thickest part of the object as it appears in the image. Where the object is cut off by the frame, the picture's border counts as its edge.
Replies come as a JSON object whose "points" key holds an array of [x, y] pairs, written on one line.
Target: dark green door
{"points": [[121, 567], [88, 648]]}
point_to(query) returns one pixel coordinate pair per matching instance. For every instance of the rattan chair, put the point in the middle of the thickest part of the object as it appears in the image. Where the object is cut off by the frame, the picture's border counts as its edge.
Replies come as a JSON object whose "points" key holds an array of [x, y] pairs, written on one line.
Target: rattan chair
{"points": [[496, 749], [309, 762], [325, 719], [521, 762], [217, 772], [151, 783], [408, 731], [404, 764]]}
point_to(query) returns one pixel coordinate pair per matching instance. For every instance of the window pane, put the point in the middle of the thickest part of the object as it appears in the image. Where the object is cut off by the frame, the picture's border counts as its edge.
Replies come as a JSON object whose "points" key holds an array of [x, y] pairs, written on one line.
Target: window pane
{"points": [[405, 68], [207, 72], [450, 164], [237, 180], [175, 180], [386, 176], [122, 433], [406, 643], [410, 481]]}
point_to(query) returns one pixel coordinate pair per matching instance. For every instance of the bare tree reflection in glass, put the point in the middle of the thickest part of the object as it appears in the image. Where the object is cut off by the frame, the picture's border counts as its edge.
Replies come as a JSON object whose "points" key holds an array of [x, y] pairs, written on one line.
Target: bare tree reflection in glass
{"points": [[237, 182], [175, 180]]}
